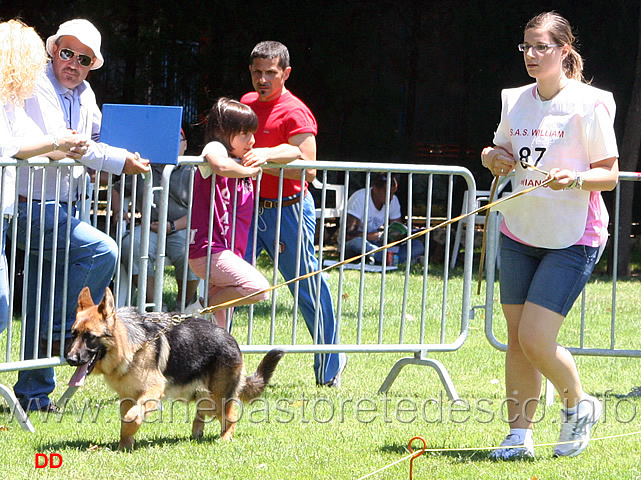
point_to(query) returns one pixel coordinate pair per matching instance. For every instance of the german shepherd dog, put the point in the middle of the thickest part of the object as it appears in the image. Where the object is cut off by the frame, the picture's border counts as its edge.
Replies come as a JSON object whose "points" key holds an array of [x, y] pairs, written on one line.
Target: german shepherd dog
{"points": [[145, 359]]}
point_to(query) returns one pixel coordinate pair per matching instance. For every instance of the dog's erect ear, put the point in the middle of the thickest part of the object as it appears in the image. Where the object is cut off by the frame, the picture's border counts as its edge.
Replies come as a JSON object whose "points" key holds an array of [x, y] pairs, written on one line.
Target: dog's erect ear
{"points": [[107, 306], [84, 299]]}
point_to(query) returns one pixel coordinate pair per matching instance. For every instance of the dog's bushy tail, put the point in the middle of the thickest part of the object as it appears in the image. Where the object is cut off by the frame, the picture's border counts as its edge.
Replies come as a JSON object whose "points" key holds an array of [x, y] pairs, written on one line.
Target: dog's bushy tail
{"points": [[256, 382]]}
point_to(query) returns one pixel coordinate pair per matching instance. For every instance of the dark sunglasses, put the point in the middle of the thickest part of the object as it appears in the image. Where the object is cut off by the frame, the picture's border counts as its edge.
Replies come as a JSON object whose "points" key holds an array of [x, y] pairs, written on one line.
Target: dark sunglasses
{"points": [[67, 54]]}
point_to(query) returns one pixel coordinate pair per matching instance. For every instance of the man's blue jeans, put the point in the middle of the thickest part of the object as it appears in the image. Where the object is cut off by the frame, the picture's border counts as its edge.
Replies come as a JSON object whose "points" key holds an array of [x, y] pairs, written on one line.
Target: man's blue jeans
{"points": [[326, 365], [92, 262]]}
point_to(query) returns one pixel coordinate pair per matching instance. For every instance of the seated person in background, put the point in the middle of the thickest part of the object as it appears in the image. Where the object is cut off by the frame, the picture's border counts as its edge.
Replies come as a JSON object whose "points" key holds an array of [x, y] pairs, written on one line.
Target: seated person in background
{"points": [[176, 227], [376, 222]]}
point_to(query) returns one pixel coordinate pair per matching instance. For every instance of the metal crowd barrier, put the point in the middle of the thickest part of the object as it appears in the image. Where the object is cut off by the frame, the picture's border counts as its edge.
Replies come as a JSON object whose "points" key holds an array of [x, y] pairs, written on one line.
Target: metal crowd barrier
{"points": [[418, 322], [13, 341], [371, 317]]}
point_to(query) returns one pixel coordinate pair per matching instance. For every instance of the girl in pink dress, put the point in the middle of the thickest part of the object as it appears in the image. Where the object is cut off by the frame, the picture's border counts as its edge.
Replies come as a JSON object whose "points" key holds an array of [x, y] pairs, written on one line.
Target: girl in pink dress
{"points": [[231, 163]]}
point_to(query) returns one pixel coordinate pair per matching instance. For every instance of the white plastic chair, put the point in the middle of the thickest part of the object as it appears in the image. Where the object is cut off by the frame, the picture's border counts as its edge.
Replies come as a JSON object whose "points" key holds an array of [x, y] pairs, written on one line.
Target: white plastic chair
{"points": [[339, 202]]}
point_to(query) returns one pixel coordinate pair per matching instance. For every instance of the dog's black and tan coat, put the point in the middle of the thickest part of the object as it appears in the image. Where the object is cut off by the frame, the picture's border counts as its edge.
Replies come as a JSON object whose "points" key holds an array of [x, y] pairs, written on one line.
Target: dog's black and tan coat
{"points": [[194, 360]]}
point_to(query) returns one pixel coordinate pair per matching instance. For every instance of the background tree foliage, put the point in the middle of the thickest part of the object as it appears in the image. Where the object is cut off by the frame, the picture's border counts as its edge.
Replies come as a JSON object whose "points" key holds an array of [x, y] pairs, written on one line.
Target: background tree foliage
{"points": [[381, 76]]}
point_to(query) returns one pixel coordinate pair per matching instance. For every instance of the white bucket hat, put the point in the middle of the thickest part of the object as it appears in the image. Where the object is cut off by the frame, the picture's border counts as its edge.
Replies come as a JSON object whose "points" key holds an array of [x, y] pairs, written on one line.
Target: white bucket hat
{"points": [[84, 31]]}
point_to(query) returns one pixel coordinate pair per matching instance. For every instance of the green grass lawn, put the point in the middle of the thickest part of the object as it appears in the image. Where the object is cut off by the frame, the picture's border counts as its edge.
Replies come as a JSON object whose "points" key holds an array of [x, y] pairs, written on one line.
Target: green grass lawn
{"points": [[300, 431]]}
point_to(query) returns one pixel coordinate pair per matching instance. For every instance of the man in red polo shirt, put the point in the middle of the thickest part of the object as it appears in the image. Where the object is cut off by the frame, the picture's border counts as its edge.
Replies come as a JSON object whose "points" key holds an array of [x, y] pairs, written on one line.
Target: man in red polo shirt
{"points": [[284, 119]]}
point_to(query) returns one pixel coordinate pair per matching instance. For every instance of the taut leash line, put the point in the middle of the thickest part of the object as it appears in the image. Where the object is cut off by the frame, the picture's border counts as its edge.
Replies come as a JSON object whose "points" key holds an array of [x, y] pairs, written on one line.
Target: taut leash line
{"points": [[239, 301]]}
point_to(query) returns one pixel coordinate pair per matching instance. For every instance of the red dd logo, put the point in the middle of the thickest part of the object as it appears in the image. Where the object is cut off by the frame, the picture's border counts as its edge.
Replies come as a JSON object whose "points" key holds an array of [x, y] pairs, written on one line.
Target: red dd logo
{"points": [[54, 460]]}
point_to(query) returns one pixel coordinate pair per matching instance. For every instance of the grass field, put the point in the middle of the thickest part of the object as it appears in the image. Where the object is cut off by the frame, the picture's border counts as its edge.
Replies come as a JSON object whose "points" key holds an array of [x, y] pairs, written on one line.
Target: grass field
{"points": [[300, 431]]}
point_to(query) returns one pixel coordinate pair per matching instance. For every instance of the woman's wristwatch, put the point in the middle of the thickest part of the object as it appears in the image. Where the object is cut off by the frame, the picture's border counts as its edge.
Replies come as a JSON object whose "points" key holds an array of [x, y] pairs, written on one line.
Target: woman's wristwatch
{"points": [[577, 183]]}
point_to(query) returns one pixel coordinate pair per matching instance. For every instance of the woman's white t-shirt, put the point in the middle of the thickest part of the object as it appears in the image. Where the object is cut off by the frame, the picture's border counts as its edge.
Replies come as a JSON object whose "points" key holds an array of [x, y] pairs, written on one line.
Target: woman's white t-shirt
{"points": [[571, 131]]}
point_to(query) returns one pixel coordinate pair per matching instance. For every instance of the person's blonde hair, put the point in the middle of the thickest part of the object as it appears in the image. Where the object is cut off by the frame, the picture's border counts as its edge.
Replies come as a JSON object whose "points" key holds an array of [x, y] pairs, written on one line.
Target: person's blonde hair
{"points": [[561, 32], [22, 59]]}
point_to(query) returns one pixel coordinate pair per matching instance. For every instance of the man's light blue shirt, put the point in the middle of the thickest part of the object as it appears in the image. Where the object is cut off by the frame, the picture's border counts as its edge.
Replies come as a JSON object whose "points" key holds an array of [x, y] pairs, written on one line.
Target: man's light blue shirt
{"points": [[55, 115]]}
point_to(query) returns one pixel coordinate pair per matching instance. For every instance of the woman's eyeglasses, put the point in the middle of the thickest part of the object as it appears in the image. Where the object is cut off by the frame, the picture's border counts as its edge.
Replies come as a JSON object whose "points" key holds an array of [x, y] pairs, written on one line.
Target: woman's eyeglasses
{"points": [[538, 47], [67, 54]]}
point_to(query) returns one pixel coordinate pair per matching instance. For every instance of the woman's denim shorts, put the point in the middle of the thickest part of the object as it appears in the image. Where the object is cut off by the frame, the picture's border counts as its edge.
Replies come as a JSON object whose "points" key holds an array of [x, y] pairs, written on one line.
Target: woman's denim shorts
{"points": [[550, 278]]}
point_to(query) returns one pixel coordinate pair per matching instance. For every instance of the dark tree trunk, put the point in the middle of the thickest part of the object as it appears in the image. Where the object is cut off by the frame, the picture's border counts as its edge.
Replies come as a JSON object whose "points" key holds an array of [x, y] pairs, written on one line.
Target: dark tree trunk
{"points": [[629, 158], [412, 71]]}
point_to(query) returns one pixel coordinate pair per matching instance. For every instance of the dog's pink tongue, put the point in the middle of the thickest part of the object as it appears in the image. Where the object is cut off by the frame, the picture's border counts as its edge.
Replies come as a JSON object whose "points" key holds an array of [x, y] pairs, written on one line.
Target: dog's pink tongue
{"points": [[78, 379]]}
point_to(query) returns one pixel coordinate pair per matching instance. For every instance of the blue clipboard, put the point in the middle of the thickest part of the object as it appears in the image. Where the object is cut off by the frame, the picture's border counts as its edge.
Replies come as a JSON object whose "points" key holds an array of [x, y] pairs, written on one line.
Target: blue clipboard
{"points": [[151, 130]]}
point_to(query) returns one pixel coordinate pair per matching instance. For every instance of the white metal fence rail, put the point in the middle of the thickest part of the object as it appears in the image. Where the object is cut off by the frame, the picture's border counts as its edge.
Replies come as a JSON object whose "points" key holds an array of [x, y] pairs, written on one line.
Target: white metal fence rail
{"points": [[423, 319], [371, 317]]}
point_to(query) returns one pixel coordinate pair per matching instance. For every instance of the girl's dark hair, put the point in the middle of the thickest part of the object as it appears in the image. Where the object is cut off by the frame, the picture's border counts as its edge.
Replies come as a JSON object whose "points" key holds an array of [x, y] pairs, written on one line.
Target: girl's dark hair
{"points": [[561, 32], [228, 118]]}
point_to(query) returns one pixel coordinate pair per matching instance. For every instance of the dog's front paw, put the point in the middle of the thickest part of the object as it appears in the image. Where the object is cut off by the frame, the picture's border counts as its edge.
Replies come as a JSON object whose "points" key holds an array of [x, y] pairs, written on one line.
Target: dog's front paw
{"points": [[197, 428], [126, 444]]}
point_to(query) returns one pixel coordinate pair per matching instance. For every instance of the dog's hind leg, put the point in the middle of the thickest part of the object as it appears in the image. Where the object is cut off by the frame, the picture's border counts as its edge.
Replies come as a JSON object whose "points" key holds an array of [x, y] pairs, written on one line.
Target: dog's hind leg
{"points": [[228, 417], [224, 392]]}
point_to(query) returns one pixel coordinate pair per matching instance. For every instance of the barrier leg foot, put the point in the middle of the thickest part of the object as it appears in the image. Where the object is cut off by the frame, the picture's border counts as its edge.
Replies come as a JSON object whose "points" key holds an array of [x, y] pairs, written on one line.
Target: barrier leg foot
{"points": [[16, 409], [446, 380], [67, 396]]}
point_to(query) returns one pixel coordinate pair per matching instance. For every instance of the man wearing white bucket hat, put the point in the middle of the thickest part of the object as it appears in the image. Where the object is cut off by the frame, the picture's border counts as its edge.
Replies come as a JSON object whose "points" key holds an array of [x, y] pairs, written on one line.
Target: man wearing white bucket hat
{"points": [[64, 101]]}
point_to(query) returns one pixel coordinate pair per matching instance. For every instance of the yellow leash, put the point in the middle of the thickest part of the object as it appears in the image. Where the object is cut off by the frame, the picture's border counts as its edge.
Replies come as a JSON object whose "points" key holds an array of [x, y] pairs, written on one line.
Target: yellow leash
{"points": [[239, 301]]}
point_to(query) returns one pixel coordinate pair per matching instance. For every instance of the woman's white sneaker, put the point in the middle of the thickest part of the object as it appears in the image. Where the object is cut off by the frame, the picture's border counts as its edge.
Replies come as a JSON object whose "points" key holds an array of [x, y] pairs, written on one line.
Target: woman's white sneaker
{"points": [[513, 448], [575, 429]]}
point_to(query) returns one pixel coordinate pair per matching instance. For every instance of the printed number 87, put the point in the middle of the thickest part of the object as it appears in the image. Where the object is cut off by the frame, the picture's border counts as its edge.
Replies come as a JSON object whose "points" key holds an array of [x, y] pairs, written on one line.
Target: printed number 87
{"points": [[525, 154]]}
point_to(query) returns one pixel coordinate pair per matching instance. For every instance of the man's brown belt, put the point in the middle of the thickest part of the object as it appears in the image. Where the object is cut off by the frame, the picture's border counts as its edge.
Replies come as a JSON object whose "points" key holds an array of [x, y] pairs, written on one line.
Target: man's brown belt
{"points": [[262, 203]]}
